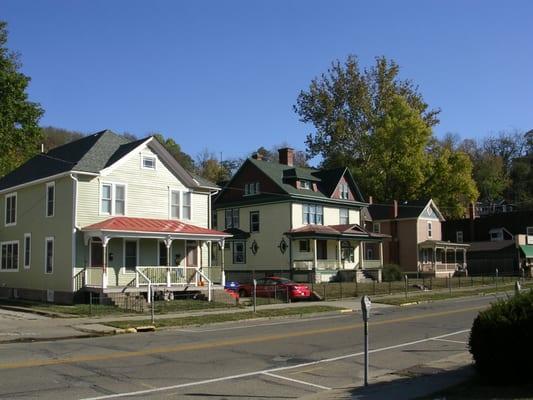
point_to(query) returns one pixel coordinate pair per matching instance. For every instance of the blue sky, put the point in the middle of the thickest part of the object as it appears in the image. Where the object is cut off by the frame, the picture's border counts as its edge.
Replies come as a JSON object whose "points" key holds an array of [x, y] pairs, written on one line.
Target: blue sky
{"points": [[223, 75]]}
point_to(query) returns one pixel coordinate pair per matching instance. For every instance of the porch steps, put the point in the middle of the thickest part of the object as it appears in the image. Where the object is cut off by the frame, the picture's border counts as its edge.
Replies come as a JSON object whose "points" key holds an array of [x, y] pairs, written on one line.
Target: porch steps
{"points": [[367, 277]]}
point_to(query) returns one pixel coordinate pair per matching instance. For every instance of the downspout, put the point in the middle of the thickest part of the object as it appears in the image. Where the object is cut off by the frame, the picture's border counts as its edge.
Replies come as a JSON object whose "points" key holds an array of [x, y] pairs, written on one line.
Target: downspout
{"points": [[74, 224]]}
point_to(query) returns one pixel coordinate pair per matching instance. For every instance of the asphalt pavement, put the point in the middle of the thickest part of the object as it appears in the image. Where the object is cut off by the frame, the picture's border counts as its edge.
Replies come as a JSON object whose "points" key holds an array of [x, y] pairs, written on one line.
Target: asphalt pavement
{"points": [[318, 357]]}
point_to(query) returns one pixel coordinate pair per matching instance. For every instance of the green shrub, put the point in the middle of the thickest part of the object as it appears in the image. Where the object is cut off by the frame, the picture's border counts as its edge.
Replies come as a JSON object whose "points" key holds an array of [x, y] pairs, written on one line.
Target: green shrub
{"points": [[391, 273], [501, 340]]}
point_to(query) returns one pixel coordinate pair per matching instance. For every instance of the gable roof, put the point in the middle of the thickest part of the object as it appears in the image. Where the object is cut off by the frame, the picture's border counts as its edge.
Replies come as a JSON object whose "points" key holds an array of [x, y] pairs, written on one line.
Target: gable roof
{"points": [[90, 154], [406, 209], [326, 180]]}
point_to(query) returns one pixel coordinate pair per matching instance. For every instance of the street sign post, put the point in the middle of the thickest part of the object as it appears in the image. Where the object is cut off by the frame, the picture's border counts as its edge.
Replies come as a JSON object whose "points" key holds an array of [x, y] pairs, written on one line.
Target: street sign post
{"points": [[255, 292], [366, 304]]}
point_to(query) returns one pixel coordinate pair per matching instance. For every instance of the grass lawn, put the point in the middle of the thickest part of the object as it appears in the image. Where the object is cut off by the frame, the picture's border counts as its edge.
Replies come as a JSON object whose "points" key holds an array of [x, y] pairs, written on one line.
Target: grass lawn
{"points": [[441, 295], [163, 307], [75, 310], [213, 318], [478, 388]]}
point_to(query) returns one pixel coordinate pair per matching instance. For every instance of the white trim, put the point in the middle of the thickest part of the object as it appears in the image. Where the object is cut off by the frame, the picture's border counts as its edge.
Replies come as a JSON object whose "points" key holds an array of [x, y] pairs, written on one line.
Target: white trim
{"points": [[7, 196], [49, 185], [430, 229], [45, 179], [113, 199], [18, 255], [46, 240], [124, 270], [132, 153], [26, 266]]}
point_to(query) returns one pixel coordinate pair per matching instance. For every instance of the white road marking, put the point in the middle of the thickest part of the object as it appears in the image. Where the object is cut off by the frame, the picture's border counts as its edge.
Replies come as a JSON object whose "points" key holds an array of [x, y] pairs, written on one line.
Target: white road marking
{"points": [[451, 341], [267, 371], [296, 381]]}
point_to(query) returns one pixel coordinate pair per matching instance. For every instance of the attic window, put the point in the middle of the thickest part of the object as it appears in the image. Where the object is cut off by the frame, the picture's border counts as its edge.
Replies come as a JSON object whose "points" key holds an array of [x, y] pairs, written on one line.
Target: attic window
{"points": [[148, 162], [305, 185], [496, 234], [344, 191], [251, 188]]}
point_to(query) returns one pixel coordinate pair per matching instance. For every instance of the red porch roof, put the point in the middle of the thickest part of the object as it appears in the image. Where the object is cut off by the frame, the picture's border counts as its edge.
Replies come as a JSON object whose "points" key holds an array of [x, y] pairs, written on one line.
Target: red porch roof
{"points": [[128, 224]]}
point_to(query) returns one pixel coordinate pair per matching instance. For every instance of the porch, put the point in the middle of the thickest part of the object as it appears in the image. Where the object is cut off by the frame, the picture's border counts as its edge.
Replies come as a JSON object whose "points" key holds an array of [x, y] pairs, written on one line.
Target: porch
{"points": [[442, 259], [136, 254], [344, 252]]}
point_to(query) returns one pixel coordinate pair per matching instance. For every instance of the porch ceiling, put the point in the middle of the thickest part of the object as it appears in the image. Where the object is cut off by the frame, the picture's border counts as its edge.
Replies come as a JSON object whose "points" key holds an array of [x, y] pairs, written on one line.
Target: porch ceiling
{"points": [[350, 231], [147, 227]]}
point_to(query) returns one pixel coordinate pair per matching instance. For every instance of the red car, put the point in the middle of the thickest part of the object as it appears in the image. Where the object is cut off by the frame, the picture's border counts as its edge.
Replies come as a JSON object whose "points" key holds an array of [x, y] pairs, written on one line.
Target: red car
{"points": [[276, 287]]}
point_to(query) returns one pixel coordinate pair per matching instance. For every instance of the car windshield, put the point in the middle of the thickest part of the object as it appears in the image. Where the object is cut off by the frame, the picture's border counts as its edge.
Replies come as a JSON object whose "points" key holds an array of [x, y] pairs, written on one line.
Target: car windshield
{"points": [[283, 281]]}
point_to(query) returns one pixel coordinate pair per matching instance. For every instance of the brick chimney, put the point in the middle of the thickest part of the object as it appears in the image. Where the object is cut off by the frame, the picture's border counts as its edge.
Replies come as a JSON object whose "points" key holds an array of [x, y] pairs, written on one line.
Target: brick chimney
{"points": [[286, 156], [394, 209], [257, 156]]}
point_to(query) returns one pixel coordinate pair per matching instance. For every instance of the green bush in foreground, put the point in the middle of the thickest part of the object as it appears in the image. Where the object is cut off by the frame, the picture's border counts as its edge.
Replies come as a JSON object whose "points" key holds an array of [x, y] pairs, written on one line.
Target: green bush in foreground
{"points": [[391, 273], [501, 340]]}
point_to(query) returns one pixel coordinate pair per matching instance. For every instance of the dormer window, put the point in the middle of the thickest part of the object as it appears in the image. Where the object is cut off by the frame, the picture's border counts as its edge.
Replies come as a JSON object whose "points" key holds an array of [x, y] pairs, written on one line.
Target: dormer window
{"points": [[496, 234], [529, 233], [305, 185], [251, 188], [148, 162], [344, 191]]}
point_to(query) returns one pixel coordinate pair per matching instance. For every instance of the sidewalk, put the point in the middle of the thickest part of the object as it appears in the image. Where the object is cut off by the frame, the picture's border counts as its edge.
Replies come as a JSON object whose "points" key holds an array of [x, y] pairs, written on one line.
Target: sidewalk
{"points": [[411, 383], [17, 326]]}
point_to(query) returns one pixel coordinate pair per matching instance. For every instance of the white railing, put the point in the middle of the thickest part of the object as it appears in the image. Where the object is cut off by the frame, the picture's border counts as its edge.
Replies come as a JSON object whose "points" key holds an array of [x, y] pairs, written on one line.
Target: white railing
{"points": [[171, 276], [328, 264], [371, 264], [303, 264]]}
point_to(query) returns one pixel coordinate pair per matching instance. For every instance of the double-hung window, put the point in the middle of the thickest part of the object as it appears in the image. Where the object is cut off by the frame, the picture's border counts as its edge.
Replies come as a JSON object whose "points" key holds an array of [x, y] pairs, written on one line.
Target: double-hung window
{"points": [[50, 199], [180, 205], [239, 252], [459, 236], [430, 229], [49, 255], [27, 250], [113, 199], [232, 218], [254, 221], [376, 227], [10, 256], [175, 204], [187, 205], [305, 185], [251, 188], [343, 216], [305, 246], [312, 214], [344, 191], [10, 209]]}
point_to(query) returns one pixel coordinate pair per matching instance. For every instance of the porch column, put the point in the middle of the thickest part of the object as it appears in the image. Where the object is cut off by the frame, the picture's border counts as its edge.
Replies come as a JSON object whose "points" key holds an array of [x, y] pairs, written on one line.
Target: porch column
{"points": [[105, 241], [464, 258], [314, 255], [209, 256], [168, 244], [222, 272], [199, 261], [381, 253], [339, 262]]}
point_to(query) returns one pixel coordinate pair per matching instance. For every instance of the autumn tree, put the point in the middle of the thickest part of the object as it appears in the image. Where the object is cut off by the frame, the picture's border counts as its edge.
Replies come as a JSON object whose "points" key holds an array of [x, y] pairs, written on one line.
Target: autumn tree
{"points": [[174, 149], [20, 134], [208, 167], [54, 137]]}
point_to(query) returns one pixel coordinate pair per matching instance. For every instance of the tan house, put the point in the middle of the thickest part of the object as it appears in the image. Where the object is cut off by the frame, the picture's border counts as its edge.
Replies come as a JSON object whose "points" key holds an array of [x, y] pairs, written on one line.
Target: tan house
{"points": [[415, 243], [104, 214], [300, 223]]}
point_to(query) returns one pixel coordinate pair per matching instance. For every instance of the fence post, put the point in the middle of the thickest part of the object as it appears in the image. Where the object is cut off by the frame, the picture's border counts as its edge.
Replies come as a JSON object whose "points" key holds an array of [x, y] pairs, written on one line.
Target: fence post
{"points": [[340, 286], [390, 287], [90, 303], [406, 284], [450, 283], [496, 278], [356, 288], [325, 284], [374, 289]]}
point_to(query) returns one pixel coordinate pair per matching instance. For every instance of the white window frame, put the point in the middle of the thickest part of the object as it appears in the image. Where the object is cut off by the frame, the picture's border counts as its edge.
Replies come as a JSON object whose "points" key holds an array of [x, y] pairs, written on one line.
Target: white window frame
{"points": [[347, 216], [48, 186], [46, 240], [6, 243], [173, 205], [181, 204], [25, 248], [8, 196], [312, 212], [430, 229], [305, 184], [113, 198], [251, 188], [148, 157], [232, 213], [459, 236], [344, 191], [376, 227], [529, 235]]}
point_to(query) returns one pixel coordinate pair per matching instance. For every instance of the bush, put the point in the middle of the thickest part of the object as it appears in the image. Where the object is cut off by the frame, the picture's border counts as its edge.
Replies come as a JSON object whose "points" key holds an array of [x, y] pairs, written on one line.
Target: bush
{"points": [[501, 340], [391, 273]]}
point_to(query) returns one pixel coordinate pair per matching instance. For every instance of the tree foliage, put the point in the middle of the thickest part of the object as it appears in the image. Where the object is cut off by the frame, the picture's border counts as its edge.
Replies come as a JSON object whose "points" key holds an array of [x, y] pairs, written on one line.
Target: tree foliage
{"points": [[20, 134], [300, 158], [54, 137], [174, 149], [208, 167]]}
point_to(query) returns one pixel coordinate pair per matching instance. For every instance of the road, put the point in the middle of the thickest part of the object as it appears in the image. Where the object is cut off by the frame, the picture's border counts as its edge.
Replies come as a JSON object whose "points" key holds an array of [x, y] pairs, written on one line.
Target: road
{"points": [[278, 359]]}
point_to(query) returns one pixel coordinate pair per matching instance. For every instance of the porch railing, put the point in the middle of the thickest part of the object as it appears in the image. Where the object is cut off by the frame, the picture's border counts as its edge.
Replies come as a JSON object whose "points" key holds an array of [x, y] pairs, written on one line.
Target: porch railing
{"points": [[440, 267], [371, 264]]}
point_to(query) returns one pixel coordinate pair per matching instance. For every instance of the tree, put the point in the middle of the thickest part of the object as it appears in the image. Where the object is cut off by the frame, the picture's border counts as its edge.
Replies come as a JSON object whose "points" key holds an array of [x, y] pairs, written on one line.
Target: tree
{"points": [[507, 146], [300, 158], [449, 179], [54, 137], [208, 167], [173, 148], [491, 177], [372, 122], [20, 134]]}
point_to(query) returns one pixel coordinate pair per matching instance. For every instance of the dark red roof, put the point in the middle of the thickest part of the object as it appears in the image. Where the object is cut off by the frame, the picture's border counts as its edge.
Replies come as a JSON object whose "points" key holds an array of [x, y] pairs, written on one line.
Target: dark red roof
{"points": [[128, 224]]}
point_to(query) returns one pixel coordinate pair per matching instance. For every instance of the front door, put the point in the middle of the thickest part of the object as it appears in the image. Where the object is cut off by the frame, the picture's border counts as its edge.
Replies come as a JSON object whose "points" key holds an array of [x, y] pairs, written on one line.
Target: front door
{"points": [[192, 259], [130, 255], [322, 249], [97, 253]]}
